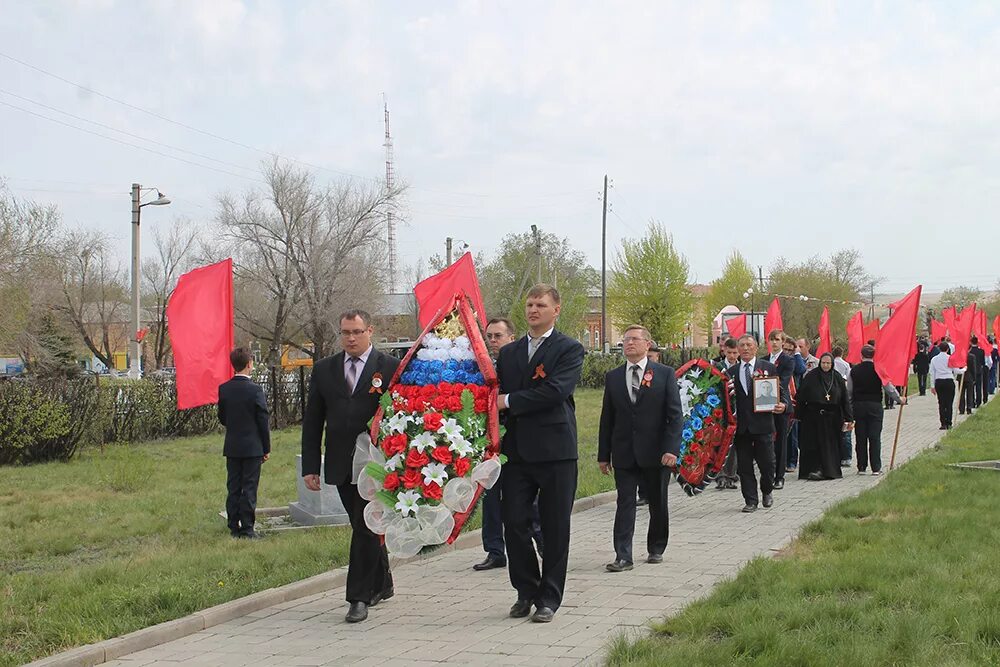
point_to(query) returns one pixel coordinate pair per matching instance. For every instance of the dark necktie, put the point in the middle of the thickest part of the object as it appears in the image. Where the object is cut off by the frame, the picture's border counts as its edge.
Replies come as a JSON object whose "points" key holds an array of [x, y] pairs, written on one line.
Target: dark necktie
{"points": [[746, 378], [635, 383]]}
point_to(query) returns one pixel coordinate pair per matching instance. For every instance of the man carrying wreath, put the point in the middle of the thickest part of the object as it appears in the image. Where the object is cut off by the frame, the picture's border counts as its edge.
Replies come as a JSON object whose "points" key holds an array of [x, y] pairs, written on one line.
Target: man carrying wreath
{"points": [[640, 438], [538, 375]]}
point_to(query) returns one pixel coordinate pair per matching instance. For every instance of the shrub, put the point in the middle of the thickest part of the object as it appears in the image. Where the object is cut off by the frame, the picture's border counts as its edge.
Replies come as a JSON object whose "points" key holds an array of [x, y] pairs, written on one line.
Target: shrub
{"points": [[35, 425]]}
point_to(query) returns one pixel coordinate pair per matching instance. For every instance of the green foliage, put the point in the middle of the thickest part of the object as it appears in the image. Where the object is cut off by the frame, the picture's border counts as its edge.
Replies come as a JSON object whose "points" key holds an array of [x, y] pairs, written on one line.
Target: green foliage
{"points": [[506, 279], [960, 297], [649, 285], [727, 289], [837, 277], [55, 357], [376, 471], [596, 365], [33, 424]]}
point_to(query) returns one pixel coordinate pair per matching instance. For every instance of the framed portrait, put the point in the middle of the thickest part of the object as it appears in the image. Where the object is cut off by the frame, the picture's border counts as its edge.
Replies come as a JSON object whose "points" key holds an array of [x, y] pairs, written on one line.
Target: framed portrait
{"points": [[766, 394]]}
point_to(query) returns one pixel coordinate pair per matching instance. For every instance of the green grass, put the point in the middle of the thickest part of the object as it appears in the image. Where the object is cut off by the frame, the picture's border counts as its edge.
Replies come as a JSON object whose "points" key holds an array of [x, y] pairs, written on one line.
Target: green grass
{"points": [[116, 541], [904, 574]]}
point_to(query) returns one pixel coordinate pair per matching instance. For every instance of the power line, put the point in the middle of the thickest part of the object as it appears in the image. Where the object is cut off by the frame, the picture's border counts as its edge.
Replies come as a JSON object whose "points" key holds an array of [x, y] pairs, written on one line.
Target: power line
{"points": [[131, 145]]}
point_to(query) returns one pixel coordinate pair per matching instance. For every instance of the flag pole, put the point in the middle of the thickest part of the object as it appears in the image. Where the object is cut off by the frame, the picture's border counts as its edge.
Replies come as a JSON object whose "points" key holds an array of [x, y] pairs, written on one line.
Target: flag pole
{"points": [[899, 421], [958, 395]]}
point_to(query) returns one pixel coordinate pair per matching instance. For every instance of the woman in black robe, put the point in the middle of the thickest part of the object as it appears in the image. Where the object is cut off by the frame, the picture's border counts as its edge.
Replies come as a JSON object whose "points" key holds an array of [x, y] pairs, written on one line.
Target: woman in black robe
{"points": [[823, 408]]}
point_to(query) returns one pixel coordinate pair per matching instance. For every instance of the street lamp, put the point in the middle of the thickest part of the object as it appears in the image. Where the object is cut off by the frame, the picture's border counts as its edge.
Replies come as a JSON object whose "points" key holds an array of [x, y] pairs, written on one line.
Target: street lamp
{"points": [[749, 294], [134, 372]]}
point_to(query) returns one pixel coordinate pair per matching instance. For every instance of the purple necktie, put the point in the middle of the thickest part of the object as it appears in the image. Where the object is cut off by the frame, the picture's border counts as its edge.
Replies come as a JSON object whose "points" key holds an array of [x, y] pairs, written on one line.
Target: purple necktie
{"points": [[352, 373]]}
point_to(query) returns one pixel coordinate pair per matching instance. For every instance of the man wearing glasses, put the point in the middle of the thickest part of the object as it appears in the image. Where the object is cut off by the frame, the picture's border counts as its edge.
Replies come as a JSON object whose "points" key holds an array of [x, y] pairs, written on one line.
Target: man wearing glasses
{"points": [[344, 393]]}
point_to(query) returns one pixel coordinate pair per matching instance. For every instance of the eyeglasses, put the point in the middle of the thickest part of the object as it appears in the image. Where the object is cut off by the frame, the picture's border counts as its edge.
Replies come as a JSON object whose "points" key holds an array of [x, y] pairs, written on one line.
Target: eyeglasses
{"points": [[347, 333], [632, 339]]}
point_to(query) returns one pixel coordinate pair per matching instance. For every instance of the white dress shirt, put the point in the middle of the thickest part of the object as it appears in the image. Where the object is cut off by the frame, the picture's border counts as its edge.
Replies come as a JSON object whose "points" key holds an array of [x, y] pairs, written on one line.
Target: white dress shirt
{"points": [[628, 374], [842, 367], [940, 370]]}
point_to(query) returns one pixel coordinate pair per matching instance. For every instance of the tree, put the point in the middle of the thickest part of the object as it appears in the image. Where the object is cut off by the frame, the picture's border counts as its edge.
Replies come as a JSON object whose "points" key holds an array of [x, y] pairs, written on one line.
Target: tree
{"points": [[174, 256], [727, 289], [649, 286], [960, 297], [54, 355], [506, 278]]}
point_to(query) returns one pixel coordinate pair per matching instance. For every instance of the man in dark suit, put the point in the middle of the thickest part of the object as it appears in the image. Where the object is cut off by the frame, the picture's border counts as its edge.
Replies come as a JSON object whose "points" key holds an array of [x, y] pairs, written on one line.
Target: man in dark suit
{"points": [[785, 365], [730, 356], [538, 375], [967, 397], [243, 411], [344, 393], [640, 438], [979, 378], [754, 430], [499, 332]]}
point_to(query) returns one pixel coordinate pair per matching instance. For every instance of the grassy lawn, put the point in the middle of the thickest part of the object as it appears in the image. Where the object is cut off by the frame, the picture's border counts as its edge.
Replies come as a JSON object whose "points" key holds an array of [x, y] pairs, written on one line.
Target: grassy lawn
{"points": [[116, 541], [904, 574]]}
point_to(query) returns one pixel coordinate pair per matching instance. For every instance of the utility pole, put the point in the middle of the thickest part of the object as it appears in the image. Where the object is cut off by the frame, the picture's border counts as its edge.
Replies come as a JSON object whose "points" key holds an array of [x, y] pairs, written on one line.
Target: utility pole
{"points": [[538, 250], [871, 307], [760, 278], [135, 349], [604, 268], [390, 182], [447, 242]]}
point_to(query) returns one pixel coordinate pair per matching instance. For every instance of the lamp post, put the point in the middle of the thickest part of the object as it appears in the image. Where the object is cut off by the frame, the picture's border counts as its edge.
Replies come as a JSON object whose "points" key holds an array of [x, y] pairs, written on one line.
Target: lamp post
{"points": [[749, 294], [134, 371]]}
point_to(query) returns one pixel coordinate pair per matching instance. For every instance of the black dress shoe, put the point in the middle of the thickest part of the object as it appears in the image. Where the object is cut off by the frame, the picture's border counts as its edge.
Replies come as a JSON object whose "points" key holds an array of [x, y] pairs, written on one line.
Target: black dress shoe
{"points": [[252, 535], [655, 558], [748, 508], [383, 595], [489, 563], [618, 566], [520, 609], [768, 500], [778, 484], [357, 613], [543, 615]]}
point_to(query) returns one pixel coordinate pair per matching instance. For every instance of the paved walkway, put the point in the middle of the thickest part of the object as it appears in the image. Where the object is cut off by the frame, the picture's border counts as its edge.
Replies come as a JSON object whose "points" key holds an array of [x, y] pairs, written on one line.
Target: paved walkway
{"points": [[431, 620]]}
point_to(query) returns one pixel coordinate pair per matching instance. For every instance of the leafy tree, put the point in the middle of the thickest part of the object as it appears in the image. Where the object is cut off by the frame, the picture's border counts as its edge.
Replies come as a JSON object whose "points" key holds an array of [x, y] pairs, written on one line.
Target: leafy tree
{"points": [[54, 355], [727, 289], [506, 278], [960, 297], [648, 285]]}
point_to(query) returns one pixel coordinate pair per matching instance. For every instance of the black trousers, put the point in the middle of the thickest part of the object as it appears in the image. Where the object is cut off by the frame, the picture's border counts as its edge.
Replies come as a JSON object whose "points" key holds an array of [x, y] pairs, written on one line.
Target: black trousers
{"points": [[780, 445], [945, 390], [368, 568], [553, 483], [967, 399], [868, 434], [922, 383], [751, 447], [983, 390], [242, 479], [492, 533], [655, 483]]}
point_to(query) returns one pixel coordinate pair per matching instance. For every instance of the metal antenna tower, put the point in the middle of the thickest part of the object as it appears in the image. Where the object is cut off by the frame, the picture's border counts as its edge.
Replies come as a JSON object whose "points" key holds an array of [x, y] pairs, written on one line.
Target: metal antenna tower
{"points": [[390, 223]]}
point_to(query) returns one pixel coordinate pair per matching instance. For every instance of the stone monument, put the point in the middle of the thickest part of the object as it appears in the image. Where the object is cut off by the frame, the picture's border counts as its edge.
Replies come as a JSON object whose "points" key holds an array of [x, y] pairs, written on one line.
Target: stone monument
{"points": [[317, 508]]}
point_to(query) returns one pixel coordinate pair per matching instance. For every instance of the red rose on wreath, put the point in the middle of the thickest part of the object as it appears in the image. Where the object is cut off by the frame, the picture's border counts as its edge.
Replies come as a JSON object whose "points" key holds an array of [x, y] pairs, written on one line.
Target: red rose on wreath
{"points": [[455, 404], [440, 402], [700, 435], [399, 406], [717, 413], [428, 391], [391, 481], [418, 404], [689, 460], [442, 455], [433, 421], [431, 491], [480, 405], [394, 444], [412, 478], [416, 459], [462, 466]]}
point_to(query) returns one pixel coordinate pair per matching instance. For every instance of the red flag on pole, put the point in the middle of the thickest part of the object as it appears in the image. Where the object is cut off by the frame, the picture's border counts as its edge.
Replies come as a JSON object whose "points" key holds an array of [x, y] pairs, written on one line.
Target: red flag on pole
{"points": [[980, 332], [938, 331], [200, 322], [440, 289], [772, 321], [824, 333], [871, 331], [960, 333], [996, 329], [737, 326], [949, 315], [855, 338], [892, 354]]}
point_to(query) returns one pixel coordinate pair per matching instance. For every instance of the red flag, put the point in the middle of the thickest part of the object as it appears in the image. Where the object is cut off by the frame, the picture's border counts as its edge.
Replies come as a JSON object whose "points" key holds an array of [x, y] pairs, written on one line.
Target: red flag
{"points": [[200, 323], [772, 321], [824, 333], [892, 354], [871, 331], [855, 338], [440, 290], [938, 331], [737, 326], [980, 331], [960, 333], [948, 316], [996, 329]]}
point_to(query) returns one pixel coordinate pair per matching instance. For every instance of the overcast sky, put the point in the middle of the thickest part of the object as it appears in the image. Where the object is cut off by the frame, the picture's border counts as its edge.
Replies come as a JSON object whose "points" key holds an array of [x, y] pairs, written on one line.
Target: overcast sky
{"points": [[786, 129]]}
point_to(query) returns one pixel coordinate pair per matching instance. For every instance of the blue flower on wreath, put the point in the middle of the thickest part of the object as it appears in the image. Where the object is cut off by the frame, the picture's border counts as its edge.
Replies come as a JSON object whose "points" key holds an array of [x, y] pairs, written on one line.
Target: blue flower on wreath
{"points": [[696, 423], [713, 400], [702, 411], [687, 434]]}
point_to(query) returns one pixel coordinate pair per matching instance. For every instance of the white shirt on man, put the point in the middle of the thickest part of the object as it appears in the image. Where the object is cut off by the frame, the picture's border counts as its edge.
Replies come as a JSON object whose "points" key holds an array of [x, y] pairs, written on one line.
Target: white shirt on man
{"points": [[628, 373], [940, 370], [842, 367], [743, 373]]}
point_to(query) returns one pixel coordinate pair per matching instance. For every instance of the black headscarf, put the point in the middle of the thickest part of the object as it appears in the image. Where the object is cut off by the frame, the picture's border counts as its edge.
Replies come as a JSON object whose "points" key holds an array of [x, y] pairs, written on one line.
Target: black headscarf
{"points": [[817, 383]]}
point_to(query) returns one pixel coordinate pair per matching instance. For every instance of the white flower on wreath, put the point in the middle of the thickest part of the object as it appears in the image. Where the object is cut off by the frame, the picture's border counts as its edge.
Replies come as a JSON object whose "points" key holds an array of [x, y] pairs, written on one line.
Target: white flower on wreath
{"points": [[434, 472], [423, 442], [407, 502], [450, 429], [394, 463], [694, 373], [461, 446], [399, 421]]}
